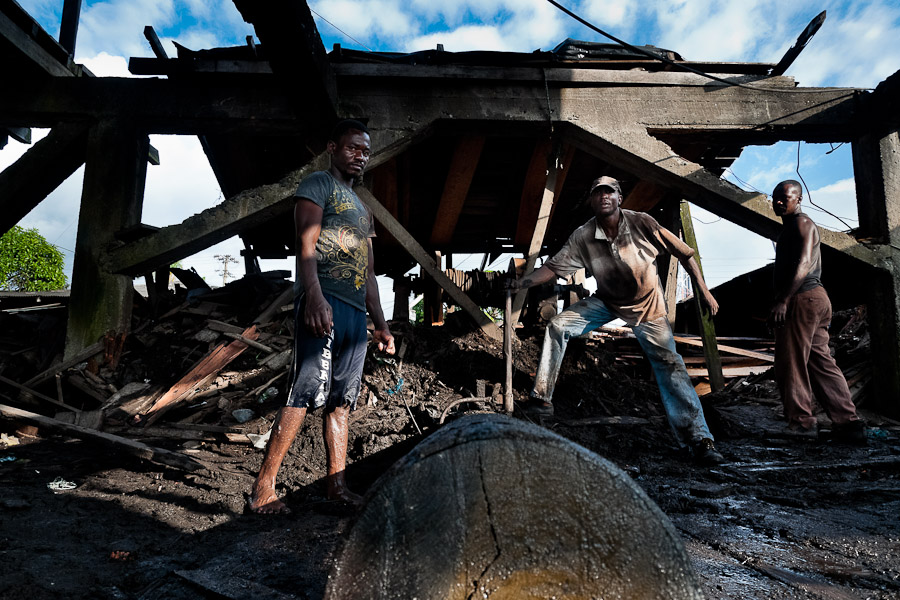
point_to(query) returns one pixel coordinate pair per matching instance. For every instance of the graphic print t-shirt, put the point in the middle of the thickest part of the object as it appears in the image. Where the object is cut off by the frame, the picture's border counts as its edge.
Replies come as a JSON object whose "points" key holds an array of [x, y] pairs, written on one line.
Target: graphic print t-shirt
{"points": [[342, 252]]}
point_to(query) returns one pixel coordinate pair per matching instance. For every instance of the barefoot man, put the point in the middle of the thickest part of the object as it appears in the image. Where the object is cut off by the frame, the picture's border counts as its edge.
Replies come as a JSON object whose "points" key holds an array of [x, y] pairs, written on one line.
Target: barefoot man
{"points": [[335, 285]]}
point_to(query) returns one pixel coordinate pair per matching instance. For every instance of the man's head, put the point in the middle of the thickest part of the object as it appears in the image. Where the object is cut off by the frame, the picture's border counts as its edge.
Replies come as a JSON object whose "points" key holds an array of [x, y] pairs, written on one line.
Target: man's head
{"points": [[605, 196], [349, 147], [786, 198]]}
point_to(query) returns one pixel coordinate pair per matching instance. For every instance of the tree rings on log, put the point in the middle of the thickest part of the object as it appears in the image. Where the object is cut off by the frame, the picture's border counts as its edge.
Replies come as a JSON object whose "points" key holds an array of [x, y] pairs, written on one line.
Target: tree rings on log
{"points": [[493, 507]]}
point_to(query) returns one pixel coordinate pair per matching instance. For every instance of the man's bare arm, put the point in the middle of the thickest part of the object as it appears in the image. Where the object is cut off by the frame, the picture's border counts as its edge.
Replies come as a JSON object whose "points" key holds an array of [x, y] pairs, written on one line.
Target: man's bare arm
{"points": [[537, 277], [317, 317]]}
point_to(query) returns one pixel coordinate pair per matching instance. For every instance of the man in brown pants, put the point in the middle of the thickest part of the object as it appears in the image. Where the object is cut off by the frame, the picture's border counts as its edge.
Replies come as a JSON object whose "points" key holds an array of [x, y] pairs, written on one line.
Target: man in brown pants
{"points": [[804, 367]]}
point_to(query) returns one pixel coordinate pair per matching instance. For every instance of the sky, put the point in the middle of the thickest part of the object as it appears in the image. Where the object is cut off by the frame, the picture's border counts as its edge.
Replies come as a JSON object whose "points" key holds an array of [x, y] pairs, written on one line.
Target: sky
{"points": [[858, 46]]}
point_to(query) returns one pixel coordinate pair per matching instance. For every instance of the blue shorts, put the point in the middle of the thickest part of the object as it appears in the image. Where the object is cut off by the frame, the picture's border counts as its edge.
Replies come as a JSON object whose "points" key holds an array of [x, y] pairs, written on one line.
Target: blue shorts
{"points": [[327, 371]]}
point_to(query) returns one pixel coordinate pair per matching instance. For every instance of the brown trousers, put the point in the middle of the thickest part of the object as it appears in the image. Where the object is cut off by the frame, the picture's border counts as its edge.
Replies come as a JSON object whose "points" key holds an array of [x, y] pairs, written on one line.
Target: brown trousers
{"points": [[804, 367]]}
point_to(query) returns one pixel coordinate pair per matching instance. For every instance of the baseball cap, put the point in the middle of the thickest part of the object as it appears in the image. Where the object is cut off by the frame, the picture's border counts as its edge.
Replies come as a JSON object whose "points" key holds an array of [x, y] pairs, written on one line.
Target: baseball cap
{"points": [[606, 181]]}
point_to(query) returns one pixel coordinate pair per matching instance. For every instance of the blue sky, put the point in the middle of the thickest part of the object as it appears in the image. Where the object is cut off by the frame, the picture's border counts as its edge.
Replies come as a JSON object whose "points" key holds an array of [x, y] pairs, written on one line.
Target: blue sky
{"points": [[858, 46]]}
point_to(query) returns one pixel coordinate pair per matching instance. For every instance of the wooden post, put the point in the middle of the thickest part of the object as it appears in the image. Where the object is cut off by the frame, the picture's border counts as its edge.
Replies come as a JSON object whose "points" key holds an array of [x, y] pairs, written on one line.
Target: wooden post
{"points": [[508, 325], [434, 305], [112, 198], [876, 166], [707, 328]]}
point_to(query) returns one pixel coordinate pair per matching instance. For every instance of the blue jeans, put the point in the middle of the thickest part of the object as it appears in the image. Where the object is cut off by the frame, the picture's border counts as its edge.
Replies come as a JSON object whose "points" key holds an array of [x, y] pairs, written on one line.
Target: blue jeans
{"points": [[679, 399]]}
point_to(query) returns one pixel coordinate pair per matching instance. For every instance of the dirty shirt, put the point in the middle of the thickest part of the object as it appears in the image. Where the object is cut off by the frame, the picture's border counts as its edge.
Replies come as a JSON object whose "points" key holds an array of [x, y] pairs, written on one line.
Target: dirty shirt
{"points": [[342, 251], [625, 267]]}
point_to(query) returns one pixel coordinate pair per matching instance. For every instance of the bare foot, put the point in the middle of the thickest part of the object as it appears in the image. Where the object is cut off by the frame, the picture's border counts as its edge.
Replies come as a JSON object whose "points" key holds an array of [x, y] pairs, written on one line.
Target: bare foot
{"points": [[267, 503]]}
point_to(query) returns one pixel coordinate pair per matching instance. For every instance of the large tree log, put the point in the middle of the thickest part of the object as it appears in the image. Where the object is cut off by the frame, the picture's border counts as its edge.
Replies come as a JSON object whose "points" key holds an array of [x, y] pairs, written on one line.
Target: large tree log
{"points": [[492, 507]]}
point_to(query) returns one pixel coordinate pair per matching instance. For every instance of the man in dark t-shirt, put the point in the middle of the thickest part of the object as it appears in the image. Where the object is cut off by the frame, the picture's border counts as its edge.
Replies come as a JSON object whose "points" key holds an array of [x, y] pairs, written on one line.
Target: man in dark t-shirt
{"points": [[801, 314], [335, 285]]}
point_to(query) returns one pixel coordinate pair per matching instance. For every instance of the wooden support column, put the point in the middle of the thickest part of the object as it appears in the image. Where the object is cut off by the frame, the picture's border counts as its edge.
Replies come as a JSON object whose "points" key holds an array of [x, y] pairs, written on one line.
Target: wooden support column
{"points": [[401, 299], [707, 328], [433, 304], [668, 265], [556, 174], [112, 198], [876, 165]]}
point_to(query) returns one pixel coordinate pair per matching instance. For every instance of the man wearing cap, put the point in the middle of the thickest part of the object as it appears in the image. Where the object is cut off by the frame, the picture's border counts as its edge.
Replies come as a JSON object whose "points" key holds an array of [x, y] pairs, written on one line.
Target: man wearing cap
{"points": [[619, 248]]}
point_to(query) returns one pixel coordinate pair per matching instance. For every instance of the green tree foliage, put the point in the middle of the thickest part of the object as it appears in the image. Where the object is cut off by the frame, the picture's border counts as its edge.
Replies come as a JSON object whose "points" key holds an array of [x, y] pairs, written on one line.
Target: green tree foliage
{"points": [[29, 263]]}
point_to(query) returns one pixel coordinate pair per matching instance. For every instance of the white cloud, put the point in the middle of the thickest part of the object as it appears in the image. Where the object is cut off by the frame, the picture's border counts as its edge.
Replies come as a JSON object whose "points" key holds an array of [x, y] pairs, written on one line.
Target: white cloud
{"points": [[117, 27], [106, 65], [611, 13], [367, 19], [470, 37]]}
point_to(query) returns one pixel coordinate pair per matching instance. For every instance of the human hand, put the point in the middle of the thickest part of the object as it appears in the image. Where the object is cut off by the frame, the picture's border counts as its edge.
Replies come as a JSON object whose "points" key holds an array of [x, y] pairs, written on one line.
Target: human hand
{"points": [[778, 315], [317, 315], [710, 302], [384, 339]]}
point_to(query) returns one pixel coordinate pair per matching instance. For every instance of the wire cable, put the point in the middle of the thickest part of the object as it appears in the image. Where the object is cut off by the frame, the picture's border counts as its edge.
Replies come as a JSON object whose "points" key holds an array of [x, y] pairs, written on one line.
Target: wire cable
{"points": [[347, 35], [809, 194], [682, 66]]}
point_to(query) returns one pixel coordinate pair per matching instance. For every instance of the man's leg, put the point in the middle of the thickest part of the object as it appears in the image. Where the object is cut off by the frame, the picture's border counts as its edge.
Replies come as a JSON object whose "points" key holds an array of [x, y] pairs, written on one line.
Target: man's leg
{"points": [[579, 318], [793, 343], [348, 359], [336, 432], [679, 399], [263, 499], [825, 377]]}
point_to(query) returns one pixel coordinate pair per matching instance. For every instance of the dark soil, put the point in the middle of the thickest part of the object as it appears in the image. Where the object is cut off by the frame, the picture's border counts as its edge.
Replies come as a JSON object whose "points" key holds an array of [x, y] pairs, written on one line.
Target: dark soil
{"points": [[783, 518]]}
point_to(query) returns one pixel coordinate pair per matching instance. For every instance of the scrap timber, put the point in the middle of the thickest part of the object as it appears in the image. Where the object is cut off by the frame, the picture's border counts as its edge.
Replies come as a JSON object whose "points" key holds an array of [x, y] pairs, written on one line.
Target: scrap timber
{"points": [[475, 152]]}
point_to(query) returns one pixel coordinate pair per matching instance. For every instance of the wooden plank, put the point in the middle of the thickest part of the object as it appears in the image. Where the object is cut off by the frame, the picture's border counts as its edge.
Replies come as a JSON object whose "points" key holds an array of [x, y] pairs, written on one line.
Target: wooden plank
{"points": [[38, 395], [153, 454], [770, 358], [69, 362], [26, 182], [705, 319], [731, 371], [456, 187], [197, 378], [420, 255]]}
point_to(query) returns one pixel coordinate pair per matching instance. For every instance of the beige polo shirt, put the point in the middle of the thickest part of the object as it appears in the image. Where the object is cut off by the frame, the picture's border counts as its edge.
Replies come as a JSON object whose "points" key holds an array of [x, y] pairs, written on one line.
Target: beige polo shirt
{"points": [[624, 268]]}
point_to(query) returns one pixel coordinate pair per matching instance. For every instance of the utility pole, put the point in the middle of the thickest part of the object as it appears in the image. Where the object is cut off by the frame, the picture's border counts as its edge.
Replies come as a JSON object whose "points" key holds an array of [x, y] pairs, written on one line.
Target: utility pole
{"points": [[225, 259]]}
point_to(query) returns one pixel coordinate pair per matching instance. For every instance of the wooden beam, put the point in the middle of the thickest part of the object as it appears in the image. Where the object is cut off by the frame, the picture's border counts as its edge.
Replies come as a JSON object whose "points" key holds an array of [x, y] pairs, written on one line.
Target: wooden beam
{"points": [[68, 29], [456, 187], [246, 209], [653, 160], [707, 327], [421, 256], [25, 47], [111, 200], [141, 450], [26, 182], [556, 75], [554, 172], [293, 47], [532, 191]]}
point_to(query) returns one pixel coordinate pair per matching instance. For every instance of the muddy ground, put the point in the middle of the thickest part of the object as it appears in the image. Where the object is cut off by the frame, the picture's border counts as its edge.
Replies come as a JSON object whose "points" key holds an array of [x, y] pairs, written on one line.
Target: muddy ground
{"points": [[785, 517]]}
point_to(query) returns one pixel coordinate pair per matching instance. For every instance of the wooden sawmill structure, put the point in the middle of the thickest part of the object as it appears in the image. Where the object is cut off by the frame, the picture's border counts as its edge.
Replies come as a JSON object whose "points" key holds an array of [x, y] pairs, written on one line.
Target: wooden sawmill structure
{"points": [[474, 152]]}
